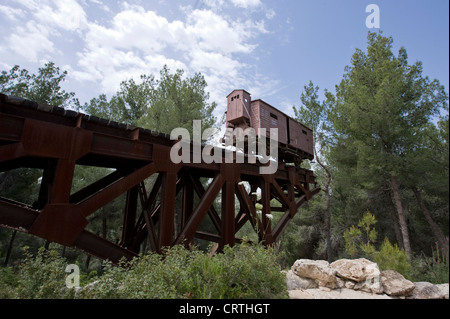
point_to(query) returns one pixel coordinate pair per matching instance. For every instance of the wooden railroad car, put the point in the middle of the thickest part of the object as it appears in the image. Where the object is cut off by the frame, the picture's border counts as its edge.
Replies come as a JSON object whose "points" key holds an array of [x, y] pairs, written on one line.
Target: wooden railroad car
{"points": [[295, 140]]}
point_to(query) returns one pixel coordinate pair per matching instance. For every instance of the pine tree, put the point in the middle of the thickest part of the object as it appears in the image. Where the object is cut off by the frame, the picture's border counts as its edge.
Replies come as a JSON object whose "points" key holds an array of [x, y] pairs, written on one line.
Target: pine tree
{"points": [[381, 108]]}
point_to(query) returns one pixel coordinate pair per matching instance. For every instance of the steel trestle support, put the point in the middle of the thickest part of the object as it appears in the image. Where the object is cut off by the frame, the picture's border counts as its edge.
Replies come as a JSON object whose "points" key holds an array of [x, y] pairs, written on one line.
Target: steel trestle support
{"points": [[166, 204]]}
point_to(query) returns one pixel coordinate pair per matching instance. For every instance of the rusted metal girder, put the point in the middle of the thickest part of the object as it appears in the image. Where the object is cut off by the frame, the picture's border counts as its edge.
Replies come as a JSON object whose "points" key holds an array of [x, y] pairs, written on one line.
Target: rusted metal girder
{"points": [[57, 140]]}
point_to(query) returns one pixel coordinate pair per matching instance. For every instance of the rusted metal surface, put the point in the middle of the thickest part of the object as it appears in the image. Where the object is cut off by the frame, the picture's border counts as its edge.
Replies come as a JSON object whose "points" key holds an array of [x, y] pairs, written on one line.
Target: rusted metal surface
{"points": [[238, 107], [295, 139], [57, 140]]}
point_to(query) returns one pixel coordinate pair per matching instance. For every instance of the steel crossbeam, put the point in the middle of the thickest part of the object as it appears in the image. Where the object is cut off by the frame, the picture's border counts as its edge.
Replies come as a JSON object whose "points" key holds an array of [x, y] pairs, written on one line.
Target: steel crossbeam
{"points": [[166, 212]]}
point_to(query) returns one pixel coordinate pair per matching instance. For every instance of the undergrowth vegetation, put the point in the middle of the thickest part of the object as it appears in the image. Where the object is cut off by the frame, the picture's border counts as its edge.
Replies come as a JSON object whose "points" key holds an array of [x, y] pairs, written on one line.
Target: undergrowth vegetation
{"points": [[360, 242], [245, 271], [242, 272]]}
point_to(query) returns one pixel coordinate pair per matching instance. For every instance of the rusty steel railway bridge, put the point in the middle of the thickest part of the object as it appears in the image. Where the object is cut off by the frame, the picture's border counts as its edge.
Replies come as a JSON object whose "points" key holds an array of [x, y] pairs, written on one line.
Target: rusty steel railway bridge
{"points": [[56, 140]]}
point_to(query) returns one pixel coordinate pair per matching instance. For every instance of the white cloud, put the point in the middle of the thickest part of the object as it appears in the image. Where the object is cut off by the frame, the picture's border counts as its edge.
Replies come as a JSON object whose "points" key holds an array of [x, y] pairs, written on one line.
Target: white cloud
{"points": [[214, 33], [30, 41], [98, 3], [45, 20], [246, 3], [213, 62], [130, 29], [218, 5], [4, 66], [135, 41], [263, 86], [65, 15], [270, 14], [214, 4], [12, 13], [139, 41], [131, 46]]}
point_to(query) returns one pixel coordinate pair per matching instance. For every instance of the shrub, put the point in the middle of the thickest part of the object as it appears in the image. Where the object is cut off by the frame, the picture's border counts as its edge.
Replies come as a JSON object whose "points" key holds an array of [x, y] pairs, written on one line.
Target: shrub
{"points": [[359, 241], [40, 276], [392, 257], [8, 283], [434, 269], [243, 271], [361, 237]]}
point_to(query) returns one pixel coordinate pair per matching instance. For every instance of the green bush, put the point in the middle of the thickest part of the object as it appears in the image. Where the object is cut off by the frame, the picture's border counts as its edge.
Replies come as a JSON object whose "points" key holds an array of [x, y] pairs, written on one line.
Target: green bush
{"points": [[360, 240], [434, 269], [40, 276], [392, 257], [8, 283], [243, 271]]}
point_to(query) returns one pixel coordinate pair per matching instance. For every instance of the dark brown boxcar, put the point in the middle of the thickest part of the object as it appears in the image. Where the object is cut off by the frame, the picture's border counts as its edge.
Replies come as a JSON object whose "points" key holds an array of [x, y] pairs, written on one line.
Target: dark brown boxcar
{"points": [[242, 112], [300, 136], [266, 116]]}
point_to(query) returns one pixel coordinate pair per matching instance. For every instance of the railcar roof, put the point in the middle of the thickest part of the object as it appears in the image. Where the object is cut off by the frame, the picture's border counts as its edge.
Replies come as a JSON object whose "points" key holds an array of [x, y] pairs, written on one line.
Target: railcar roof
{"points": [[239, 90]]}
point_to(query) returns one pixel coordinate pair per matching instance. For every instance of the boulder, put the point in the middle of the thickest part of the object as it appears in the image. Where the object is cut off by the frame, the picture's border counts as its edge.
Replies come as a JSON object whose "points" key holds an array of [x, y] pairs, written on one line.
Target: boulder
{"points": [[394, 284], [299, 294], [355, 269], [318, 270], [443, 288], [295, 282], [426, 290], [349, 284], [344, 293], [355, 279], [363, 272]]}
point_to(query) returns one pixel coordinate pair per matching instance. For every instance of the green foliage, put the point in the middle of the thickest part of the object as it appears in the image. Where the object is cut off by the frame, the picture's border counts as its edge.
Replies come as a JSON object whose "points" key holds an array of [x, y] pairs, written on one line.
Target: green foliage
{"points": [[313, 113], [302, 238], [43, 87], [360, 242], [253, 273], [384, 116], [175, 101], [361, 237], [20, 184], [161, 105], [434, 269], [243, 271], [351, 237], [40, 276], [8, 283], [392, 257]]}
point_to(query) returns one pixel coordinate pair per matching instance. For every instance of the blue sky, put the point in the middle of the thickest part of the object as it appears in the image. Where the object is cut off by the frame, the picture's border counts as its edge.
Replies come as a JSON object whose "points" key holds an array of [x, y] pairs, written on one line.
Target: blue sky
{"points": [[270, 48]]}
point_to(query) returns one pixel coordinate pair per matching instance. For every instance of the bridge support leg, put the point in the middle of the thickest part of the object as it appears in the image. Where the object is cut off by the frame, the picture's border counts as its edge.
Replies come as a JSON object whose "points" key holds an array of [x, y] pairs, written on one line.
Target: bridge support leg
{"points": [[129, 218], [231, 174], [188, 201], [266, 212], [167, 211]]}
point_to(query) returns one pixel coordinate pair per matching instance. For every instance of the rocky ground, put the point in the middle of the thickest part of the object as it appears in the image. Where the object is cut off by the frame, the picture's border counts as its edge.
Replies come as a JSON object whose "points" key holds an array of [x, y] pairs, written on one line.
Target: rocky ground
{"points": [[355, 279]]}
